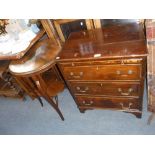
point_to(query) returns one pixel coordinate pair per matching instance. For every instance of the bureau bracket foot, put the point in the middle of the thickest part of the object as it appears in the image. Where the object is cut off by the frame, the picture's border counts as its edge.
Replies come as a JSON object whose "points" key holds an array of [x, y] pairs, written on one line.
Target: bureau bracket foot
{"points": [[82, 110]]}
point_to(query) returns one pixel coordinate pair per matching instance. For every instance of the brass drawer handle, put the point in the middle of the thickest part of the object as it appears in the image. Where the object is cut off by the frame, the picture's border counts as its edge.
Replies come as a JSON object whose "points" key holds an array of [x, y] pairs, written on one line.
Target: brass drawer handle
{"points": [[78, 88], [127, 93], [76, 76], [130, 72], [71, 73], [82, 91], [130, 90], [118, 72], [90, 103], [81, 73], [126, 108]]}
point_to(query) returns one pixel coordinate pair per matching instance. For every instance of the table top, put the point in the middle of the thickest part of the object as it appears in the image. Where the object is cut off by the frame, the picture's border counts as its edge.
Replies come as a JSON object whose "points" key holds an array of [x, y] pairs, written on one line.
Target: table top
{"points": [[15, 56], [109, 42], [38, 59]]}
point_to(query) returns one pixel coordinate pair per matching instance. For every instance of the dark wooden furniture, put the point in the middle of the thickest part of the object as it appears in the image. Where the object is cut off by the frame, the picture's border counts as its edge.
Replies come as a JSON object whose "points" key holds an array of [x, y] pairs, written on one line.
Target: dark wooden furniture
{"points": [[65, 26], [51, 31], [105, 68], [99, 23], [34, 72]]}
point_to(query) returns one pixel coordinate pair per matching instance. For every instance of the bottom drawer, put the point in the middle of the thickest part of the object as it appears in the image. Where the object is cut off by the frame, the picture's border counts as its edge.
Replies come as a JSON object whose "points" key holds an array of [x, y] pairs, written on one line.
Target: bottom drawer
{"points": [[108, 103]]}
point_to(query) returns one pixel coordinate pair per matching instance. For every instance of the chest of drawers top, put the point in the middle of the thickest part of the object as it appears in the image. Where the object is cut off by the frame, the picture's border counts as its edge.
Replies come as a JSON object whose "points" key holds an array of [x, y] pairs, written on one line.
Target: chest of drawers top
{"points": [[106, 43]]}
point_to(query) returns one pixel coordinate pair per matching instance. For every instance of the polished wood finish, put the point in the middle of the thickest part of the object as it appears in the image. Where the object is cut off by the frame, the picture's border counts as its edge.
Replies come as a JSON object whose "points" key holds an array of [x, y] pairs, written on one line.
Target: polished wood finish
{"points": [[106, 88], [39, 58], [110, 43], [50, 31], [33, 70], [98, 23], [104, 72], [122, 104], [80, 24], [105, 68]]}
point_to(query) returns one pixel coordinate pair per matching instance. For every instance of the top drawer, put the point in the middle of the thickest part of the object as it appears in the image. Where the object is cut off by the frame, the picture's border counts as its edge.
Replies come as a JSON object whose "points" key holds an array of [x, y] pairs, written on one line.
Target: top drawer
{"points": [[103, 62], [103, 72]]}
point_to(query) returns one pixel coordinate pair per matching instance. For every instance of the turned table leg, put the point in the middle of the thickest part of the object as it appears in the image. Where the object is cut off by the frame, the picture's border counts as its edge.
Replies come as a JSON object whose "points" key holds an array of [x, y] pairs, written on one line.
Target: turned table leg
{"points": [[40, 100]]}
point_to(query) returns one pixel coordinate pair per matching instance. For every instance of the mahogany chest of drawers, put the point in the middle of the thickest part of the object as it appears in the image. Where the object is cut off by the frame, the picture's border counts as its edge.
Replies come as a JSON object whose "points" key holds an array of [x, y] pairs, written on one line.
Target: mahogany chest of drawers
{"points": [[105, 68]]}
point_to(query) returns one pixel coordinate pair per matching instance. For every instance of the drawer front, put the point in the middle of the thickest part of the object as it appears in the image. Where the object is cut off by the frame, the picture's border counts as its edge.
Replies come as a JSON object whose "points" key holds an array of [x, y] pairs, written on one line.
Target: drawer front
{"points": [[106, 88], [104, 72], [102, 62], [108, 103]]}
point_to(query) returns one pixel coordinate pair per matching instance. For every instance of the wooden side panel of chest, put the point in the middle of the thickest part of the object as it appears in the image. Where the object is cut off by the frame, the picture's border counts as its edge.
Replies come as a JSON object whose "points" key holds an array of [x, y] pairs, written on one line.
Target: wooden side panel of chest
{"points": [[106, 84]]}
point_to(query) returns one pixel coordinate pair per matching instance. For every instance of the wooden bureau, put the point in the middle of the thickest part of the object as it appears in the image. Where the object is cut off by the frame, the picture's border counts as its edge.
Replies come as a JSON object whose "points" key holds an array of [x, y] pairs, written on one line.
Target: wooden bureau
{"points": [[106, 68]]}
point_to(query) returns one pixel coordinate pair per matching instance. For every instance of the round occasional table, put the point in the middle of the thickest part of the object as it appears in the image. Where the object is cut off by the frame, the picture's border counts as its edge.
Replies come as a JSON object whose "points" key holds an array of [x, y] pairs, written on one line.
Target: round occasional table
{"points": [[29, 70]]}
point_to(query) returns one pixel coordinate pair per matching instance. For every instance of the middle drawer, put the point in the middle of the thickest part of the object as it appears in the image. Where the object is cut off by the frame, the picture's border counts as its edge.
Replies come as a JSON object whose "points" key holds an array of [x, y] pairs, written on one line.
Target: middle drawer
{"points": [[106, 88]]}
